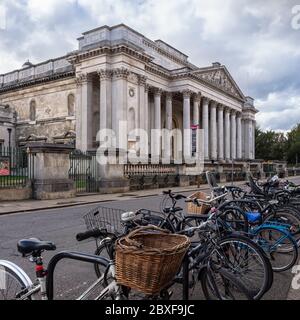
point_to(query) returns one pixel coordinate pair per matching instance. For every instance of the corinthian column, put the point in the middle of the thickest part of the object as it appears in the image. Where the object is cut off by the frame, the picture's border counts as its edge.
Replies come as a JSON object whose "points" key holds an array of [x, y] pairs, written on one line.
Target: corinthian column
{"points": [[119, 105], [220, 132], [233, 135], [239, 135], [85, 141], [213, 130], [205, 127], [142, 103], [227, 134], [169, 124], [105, 98], [156, 140], [187, 144], [147, 115], [196, 105]]}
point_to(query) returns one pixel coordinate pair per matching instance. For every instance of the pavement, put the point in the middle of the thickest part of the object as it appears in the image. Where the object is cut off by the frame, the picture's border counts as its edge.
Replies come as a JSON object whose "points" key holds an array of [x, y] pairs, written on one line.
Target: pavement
{"points": [[7, 207], [61, 220]]}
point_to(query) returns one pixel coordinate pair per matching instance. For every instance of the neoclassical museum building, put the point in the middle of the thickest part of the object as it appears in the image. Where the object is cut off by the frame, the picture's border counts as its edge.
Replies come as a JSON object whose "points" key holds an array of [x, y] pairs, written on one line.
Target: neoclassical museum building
{"points": [[119, 74]]}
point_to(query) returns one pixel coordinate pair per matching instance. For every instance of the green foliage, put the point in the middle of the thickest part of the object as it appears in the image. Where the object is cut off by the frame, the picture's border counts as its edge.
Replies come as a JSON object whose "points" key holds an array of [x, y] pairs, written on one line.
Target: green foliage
{"points": [[293, 145], [271, 145]]}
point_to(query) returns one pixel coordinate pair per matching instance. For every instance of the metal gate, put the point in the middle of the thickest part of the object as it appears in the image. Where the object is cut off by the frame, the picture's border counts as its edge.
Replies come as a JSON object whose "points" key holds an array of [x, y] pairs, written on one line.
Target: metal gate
{"points": [[84, 171]]}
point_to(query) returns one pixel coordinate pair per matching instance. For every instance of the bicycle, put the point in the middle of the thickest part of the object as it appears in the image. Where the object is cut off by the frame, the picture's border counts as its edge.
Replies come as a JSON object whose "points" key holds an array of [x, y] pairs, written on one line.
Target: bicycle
{"points": [[17, 285]]}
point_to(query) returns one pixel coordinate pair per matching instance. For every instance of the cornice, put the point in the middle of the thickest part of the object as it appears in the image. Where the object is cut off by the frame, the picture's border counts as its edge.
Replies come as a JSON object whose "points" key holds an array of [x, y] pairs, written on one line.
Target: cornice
{"points": [[79, 56], [20, 85]]}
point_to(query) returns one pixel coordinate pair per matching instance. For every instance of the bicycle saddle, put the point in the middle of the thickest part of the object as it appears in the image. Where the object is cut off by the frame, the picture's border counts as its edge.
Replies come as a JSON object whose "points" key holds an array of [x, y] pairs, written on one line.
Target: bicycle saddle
{"points": [[28, 246]]}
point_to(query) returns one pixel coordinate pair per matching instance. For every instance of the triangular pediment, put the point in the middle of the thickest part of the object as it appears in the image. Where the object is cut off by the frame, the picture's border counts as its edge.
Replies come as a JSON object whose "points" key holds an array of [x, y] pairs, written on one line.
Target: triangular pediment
{"points": [[220, 78]]}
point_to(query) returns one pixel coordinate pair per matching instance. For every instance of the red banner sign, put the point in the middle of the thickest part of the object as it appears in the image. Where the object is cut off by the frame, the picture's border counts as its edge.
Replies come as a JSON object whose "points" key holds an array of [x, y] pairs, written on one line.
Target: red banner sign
{"points": [[4, 168]]}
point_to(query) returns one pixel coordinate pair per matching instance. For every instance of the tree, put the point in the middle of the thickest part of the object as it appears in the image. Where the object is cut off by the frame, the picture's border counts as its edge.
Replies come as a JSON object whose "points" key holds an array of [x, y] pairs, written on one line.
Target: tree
{"points": [[293, 145], [270, 145]]}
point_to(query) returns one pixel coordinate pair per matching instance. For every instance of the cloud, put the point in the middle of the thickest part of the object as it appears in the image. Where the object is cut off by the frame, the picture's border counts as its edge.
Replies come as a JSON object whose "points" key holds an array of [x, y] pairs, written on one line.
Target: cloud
{"points": [[255, 40]]}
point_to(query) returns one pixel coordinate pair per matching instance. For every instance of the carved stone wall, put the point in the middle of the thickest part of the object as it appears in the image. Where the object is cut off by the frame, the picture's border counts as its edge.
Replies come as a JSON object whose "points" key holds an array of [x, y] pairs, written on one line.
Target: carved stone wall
{"points": [[51, 103]]}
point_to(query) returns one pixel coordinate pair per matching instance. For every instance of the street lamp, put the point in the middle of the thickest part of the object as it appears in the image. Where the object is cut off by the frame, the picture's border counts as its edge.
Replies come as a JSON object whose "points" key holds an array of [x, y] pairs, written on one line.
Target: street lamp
{"points": [[9, 130], [9, 137]]}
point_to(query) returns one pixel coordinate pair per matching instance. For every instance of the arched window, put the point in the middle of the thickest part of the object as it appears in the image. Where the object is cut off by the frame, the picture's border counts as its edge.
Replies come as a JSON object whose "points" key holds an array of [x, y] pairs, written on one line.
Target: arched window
{"points": [[71, 105], [32, 112]]}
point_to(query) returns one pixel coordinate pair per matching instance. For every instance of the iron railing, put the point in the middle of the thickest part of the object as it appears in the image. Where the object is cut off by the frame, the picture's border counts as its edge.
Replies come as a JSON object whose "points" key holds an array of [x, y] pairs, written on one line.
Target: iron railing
{"points": [[16, 167]]}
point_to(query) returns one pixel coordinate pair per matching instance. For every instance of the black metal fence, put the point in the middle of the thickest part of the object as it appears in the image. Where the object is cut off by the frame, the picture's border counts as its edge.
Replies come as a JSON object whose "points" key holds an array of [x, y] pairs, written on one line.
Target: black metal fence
{"points": [[84, 171], [16, 167]]}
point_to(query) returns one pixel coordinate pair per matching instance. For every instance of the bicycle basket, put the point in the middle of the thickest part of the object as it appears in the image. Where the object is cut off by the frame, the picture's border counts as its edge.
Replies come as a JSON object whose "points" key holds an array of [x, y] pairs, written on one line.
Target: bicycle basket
{"points": [[104, 218], [148, 259], [194, 209]]}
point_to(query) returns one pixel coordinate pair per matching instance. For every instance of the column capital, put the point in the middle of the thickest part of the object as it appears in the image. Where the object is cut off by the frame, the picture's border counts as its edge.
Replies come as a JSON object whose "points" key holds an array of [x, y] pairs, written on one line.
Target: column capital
{"points": [[227, 109], [220, 107], [147, 88], [239, 114], [83, 78], [187, 94], [213, 104], [121, 73], [169, 95], [197, 97], [233, 113], [158, 92], [105, 74], [142, 80], [206, 99]]}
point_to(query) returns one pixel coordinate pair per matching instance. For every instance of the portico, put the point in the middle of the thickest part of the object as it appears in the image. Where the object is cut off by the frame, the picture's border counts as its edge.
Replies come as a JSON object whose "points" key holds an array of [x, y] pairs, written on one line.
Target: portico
{"points": [[227, 130]]}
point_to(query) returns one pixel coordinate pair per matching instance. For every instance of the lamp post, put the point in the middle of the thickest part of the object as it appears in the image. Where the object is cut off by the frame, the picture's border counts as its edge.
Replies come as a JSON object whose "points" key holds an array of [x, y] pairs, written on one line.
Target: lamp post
{"points": [[9, 130]]}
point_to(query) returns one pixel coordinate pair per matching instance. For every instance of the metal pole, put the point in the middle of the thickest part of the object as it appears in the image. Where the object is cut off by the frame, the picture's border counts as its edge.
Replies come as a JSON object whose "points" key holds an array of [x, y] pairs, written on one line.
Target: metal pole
{"points": [[9, 148]]}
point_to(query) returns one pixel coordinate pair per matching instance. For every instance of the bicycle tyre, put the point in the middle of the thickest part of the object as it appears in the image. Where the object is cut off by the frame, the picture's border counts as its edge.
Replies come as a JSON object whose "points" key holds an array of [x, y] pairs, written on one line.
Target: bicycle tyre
{"points": [[269, 234], [11, 271], [228, 280], [240, 242]]}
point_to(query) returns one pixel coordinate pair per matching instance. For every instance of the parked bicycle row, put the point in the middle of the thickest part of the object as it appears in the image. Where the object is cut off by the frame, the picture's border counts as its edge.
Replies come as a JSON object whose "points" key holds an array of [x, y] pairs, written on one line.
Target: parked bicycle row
{"points": [[230, 242]]}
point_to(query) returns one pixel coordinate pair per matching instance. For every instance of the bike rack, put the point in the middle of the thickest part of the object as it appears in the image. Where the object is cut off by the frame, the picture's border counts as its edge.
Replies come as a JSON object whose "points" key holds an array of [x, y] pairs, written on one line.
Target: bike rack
{"points": [[78, 256]]}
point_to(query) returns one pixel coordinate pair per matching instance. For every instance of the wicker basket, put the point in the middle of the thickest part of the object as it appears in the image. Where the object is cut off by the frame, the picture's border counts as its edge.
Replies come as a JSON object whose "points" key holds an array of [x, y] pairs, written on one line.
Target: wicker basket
{"points": [[148, 259], [194, 209]]}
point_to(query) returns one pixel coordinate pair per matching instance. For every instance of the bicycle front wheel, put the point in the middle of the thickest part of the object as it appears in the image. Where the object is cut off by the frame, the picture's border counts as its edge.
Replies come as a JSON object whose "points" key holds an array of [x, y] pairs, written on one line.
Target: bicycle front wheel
{"points": [[222, 285], [14, 283], [246, 261], [279, 246]]}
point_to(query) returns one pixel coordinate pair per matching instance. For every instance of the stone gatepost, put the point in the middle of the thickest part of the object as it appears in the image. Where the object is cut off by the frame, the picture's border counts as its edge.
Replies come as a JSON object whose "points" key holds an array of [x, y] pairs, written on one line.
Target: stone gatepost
{"points": [[112, 179], [51, 171]]}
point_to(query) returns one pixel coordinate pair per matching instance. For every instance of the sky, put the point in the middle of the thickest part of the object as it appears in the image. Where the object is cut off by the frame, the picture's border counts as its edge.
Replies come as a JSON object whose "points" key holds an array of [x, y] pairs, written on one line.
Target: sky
{"points": [[257, 40]]}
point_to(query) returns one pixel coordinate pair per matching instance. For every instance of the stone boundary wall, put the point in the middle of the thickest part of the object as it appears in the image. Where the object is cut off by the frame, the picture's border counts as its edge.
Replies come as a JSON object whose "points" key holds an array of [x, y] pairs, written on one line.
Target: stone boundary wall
{"points": [[16, 193]]}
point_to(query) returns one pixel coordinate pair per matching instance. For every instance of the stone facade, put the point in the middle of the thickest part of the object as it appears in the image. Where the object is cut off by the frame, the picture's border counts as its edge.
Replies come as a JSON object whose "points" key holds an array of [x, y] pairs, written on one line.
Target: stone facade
{"points": [[7, 126], [118, 74]]}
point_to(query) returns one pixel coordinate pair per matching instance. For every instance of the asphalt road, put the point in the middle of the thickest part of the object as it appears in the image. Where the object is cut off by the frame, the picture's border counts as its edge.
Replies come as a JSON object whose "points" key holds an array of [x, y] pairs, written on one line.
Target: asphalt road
{"points": [[61, 227]]}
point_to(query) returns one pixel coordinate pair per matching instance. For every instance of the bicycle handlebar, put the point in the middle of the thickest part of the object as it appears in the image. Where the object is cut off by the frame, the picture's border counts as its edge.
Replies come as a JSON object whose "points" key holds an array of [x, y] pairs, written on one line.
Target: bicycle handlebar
{"points": [[96, 233]]}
